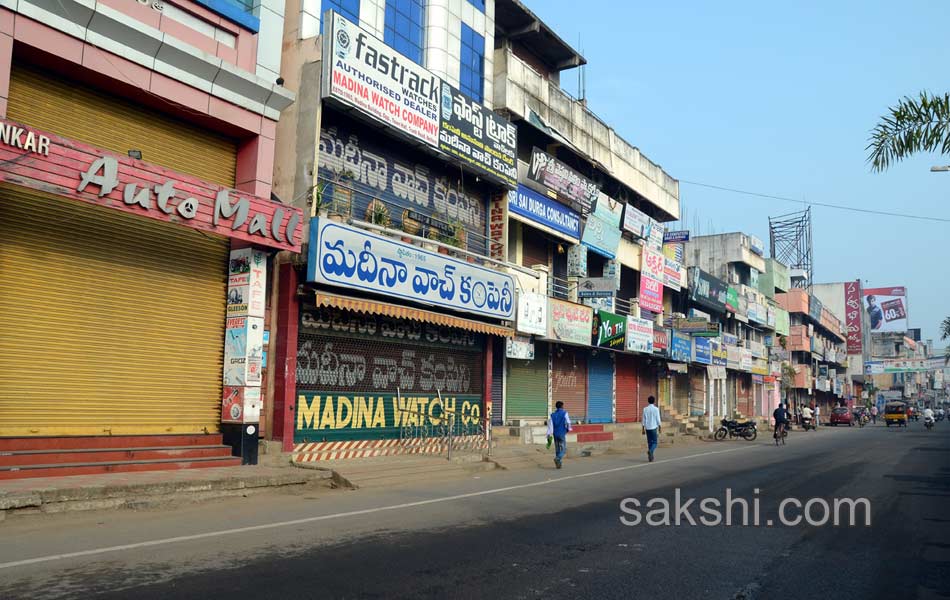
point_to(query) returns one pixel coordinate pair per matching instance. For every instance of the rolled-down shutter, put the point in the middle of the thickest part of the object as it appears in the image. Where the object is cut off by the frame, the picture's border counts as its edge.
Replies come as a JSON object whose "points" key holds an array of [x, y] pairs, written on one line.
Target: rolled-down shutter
{"points": [[600, 388], [113, 324], [681, 393], [648, 383], [569, 381], [628, 393], [527, 383], [697, 380], [497, 348]]}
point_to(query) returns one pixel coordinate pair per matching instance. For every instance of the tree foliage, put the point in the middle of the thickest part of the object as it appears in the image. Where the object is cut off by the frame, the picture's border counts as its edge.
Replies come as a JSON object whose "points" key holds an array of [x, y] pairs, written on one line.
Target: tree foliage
{"points": [[915, 125], [944, 334]]}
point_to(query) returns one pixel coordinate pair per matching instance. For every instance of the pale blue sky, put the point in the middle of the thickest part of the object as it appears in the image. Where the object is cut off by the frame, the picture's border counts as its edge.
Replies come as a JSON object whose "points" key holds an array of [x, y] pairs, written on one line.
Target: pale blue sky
{"points": [[779, 98]]}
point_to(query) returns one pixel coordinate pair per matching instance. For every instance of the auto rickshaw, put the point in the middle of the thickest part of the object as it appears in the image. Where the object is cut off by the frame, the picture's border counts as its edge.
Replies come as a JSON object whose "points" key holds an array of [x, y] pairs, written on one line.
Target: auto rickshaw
{"points": [[895, 413]]}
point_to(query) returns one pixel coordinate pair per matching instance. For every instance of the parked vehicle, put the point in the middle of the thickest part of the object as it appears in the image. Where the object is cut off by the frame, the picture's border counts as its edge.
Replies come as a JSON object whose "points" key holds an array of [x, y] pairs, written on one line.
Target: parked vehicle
{"points": [[734, 429], [841, 416], [808, 424], [895, 413]]}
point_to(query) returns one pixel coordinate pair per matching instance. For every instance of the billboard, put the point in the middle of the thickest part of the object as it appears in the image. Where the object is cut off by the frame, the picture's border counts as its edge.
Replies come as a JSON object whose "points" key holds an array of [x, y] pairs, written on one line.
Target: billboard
{"points": [[479, 137], [852, 307], [547, 171], [886, 309], [545, 211]]}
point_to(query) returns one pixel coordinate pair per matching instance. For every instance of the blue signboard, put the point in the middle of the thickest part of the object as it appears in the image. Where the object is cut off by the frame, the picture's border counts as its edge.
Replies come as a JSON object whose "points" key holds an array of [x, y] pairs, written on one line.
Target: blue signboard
{"points": [[681, 347], [675, 236], [545, 211], [719, 354], [702, 351], [601, 236]]}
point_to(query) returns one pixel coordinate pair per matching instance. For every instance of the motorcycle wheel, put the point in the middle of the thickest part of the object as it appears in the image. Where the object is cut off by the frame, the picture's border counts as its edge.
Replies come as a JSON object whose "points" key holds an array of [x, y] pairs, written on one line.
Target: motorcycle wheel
{"points": [[721, 434], [750, 434]]}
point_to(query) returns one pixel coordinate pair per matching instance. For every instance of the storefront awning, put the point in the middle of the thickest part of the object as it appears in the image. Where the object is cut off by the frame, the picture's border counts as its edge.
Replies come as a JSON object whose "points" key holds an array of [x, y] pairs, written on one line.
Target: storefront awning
{"points": [[373, 307]]}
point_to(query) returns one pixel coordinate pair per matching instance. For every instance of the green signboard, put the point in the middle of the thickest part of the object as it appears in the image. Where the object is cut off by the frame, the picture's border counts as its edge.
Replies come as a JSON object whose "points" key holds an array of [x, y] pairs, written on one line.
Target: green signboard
{"points": [[732, 299], [610, 330]]}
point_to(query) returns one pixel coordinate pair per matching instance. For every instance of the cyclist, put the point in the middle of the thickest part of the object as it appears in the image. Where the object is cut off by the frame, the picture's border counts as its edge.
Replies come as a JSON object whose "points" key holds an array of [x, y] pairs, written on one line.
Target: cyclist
{"points": [[781, 419]]}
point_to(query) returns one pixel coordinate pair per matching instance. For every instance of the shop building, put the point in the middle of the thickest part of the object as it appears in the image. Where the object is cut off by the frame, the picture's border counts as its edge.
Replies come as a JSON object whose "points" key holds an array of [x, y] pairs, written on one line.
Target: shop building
{"points": [[139, 224]]}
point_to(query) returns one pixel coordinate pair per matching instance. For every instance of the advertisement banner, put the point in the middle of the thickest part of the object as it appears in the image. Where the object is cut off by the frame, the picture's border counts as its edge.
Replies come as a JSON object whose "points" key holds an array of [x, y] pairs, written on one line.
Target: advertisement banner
{"points": [[681, 347], [352, 258], [706, 290], [756, 245], [498, 227], [652, 264], [361, 71], [702, 351], [639, 335], [852, 307], [661, 341], [247, 283], [745, 359], [720, 354], [519, 347], [551, 173], [609, 210], [596, 287], [676, 236], [887, 309], [651, 294], [732, 299], [672, 273], [577, 261], [243, 351], [479, 137], [532, 313], [601, 237], [569, 322], [545, 211], [636, 222], [610, 329]]}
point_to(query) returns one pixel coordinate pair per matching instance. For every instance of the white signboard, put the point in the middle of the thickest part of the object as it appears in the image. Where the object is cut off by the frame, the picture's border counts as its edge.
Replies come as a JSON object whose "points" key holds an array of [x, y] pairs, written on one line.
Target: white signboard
{"points": [[344, 256], [363, 72], [243, 351], [636, 221], [532, 314], [247, 283], [519, 347], [639, 335]]}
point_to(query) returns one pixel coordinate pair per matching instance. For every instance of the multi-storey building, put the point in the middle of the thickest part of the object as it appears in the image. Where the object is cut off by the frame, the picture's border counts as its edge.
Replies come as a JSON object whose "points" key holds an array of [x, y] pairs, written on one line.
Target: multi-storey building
{"points": [[135, 196]]}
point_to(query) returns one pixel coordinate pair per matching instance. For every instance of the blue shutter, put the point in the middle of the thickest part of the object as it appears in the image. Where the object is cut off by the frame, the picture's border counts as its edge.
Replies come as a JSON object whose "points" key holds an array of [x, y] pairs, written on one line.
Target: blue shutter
{"points": [[600, 387]]}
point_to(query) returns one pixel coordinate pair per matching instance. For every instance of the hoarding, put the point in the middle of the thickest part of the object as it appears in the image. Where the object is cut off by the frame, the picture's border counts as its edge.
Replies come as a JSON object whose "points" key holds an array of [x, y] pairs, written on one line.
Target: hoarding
{"points": [[706, 290], [610, 329], [545, 211], [639, 335], [569, 322], [478, 137], [702, 351], [886, 309], [852, 307], [547, 171]]}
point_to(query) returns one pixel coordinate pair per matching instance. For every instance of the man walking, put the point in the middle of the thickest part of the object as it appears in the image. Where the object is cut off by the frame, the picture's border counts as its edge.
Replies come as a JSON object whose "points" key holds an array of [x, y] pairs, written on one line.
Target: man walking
{"points": [[651, 426], [559, 424]]}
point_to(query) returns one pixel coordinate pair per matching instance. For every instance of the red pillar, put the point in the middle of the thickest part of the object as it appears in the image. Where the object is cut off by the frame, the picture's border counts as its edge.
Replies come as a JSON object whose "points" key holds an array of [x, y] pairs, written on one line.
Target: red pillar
{"points": [[489, 350], [285, 360]]}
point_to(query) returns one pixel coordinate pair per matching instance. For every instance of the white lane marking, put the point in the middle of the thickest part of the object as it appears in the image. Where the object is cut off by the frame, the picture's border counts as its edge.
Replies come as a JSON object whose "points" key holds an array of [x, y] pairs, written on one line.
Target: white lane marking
{"points": [[352, 513]]}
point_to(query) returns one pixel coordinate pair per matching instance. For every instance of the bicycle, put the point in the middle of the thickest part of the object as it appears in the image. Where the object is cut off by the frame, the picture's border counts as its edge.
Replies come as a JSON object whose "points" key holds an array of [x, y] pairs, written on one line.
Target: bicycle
{"points": [[782, 437]]}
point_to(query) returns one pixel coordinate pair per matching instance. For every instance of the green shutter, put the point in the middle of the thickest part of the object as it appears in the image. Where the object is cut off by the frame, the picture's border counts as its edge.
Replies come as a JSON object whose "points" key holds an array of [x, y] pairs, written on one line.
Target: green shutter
{"points": [[527, 385]]}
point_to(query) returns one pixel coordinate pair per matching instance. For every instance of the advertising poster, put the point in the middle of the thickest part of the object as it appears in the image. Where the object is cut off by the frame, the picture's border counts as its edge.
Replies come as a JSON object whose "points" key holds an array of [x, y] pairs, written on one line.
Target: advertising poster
{"points": [[547, 171], [247, 283], [639, 335], [651, 294], [577, 261], [672, 273], [243, 351], [532, 314], [886, 309], [479, 137], [569, 322], [519, 347]]}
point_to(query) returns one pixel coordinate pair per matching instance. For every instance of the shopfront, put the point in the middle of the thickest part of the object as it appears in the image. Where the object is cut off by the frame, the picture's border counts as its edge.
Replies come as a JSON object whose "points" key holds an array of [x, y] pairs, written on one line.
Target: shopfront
{"points": [[116, 270]]}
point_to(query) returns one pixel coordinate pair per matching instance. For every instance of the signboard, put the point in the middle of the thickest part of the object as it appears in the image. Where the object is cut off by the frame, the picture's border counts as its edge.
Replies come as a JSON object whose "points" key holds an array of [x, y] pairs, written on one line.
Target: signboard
{"points": [[706, 290], [553, 174], [672, 273], [651, 294], [596, 287], [610, 330], [608, 209], [676, 236], [674, 251], [652, 264], [745, 359], [639, 335], [241, 405], [612, 272], [577, 261], [814, 308], [479, 137], [498, 227], [720, 354], [569, 322], [247, 283], [661, 341], [243, 351], [636, 221], [519, 347], [730, 339], [545, 211], [601, 236], [681, 347], [782, 324], [702, 351], [532, 313], [696, 326], [898, 365], [732, 299], [344, 256], [361, 71], [886, 308], [756, 245], [716, 372], [733, 357]]}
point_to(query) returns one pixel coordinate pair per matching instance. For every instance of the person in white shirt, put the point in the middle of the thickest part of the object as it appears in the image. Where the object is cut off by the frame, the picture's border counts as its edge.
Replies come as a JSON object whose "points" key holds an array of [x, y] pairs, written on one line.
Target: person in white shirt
{"points": [[651, 426], [817, 415]]}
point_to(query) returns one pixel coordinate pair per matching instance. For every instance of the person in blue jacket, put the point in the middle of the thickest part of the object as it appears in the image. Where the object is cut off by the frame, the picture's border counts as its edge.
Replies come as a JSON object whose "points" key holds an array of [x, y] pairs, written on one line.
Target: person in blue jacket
{"points": [[559, 424]]}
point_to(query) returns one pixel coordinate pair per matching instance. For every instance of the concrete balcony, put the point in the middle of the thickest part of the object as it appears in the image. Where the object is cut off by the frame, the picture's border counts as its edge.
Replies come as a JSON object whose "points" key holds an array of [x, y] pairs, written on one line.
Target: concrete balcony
{"points": [[794, 301], [798, 339], [803, 377], [527, 95]]}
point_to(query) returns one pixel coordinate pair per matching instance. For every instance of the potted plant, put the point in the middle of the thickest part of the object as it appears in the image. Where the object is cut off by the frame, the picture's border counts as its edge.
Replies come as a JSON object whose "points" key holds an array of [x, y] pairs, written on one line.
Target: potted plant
{"points": [[377, 213], [334, 200]]}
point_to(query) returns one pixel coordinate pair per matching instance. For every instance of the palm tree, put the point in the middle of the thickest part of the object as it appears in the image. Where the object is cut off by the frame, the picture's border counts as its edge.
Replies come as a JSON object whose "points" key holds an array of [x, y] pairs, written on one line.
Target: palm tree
{"points": [[944, 334], [914, 125]]}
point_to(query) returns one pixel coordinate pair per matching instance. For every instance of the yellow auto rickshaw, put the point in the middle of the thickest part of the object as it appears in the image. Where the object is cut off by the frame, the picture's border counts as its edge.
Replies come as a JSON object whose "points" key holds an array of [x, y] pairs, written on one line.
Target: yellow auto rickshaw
{"points": [[895, 413]]}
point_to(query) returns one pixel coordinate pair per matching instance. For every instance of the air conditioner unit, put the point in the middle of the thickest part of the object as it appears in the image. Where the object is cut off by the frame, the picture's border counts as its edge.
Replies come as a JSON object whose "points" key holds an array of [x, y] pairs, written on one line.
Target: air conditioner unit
{"points": [[733, 277]]}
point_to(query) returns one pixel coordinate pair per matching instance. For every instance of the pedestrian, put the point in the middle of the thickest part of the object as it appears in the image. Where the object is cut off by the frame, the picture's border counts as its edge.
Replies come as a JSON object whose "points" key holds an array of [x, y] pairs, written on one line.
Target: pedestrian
{"points": [[651, 426], [559, 425], [817, 415], [874, 414]]}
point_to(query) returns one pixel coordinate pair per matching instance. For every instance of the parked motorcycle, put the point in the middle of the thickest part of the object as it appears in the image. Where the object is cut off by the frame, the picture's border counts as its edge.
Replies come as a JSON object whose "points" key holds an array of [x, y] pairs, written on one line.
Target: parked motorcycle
{"points": [[734, 429]]}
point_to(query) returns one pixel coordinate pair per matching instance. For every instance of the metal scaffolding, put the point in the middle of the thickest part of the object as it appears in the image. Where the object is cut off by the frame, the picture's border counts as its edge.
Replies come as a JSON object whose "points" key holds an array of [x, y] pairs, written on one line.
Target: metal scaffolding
{"points": [[790, 243]]}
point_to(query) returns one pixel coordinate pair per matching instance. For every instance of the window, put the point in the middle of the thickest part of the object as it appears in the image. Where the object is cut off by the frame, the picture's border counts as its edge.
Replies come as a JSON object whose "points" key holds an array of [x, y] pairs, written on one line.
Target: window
{"points": [[404, 27], [479, 4], [348, 8], [472, 64]]}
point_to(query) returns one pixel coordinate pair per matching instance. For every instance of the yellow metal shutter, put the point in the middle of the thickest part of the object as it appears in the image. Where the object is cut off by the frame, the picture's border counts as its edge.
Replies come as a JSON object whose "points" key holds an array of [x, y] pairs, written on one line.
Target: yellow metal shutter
{"points": [[112, 324], [74, 111]]}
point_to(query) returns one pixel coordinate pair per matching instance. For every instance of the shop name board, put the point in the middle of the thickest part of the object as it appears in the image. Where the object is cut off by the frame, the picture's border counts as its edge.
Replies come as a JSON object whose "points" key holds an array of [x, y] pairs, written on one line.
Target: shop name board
{"points": [[545, 211], [639, 335], [596, 287], [702, 351], [720, 354], [681, 347], [696, 326], [365, 73], [661, 341], [479, 137], [706, 290], [532, 313], [551, 173], [610, 329], [519, 347], [676, 236], [344, 256], [570, 323], [345, 324], [81, 172]]}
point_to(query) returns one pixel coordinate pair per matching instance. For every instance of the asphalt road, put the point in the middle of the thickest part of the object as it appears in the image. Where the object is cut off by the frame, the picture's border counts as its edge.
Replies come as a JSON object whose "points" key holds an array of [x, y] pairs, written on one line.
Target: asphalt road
{"points": [[536, 534]]}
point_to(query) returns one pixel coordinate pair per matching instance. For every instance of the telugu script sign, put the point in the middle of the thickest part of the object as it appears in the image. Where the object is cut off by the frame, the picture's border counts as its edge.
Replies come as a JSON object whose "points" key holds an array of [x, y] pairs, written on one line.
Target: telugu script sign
{"points": [[569, 322], [345, 256], [852, 308], [479, 137], [551, 173]]}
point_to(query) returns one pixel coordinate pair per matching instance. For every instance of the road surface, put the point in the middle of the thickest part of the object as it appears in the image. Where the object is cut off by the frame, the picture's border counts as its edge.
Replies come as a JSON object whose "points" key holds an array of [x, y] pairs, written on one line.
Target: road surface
{"points": [[537, 533]]}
